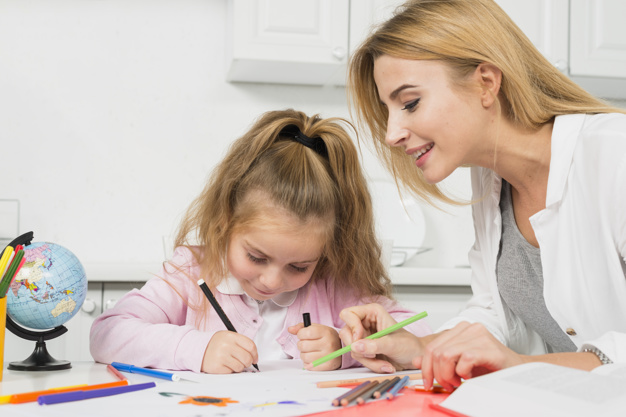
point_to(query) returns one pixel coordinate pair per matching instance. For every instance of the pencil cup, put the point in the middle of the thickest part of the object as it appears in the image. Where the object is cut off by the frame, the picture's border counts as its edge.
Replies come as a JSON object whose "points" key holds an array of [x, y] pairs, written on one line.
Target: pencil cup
{"points": [[3, 322]]}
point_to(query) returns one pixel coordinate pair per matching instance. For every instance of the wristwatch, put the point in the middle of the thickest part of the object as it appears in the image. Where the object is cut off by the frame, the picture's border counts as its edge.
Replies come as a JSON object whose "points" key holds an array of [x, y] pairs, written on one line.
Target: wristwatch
{"points": [[603, 358]]}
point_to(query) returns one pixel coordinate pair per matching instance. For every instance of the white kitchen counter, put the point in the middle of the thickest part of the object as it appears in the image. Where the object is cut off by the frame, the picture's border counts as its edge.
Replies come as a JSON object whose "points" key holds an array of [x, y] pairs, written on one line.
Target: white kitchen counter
{"points": [[430, 276], [403, 275]]}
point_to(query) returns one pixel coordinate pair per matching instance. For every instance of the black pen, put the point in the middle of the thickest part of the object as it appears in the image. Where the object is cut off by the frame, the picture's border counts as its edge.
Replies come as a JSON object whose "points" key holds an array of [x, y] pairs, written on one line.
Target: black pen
{"points": [[306, 319], [218, 309]]}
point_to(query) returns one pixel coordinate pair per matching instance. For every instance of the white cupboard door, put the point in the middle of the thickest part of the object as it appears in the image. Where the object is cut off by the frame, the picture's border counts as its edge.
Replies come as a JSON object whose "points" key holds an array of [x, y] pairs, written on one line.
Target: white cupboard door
{"points": [[598, 38], [287, 41], [545, 22], [113, 291], [364, 16], [75, 343]]}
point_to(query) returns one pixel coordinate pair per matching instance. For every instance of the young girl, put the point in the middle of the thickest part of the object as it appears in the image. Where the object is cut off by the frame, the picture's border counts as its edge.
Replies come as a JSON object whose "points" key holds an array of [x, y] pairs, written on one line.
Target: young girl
{"points": [[283, 227]]}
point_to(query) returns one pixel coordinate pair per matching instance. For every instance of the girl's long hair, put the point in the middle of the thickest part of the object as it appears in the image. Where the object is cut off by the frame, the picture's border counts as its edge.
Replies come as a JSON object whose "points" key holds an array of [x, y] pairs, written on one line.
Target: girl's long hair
{"points": [[330, 188]]}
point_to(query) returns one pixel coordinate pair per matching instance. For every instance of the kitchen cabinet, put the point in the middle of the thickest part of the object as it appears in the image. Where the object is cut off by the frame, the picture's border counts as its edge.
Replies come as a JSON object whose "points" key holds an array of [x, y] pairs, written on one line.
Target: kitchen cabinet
{"points": [[585, 39], [545, 22], [310, 41], [297, 41], [598, 46], [287, 41]]}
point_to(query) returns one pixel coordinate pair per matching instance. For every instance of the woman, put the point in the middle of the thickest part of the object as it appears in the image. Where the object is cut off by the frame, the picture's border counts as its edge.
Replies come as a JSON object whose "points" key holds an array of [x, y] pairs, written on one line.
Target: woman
{"points": [[453, 83]]}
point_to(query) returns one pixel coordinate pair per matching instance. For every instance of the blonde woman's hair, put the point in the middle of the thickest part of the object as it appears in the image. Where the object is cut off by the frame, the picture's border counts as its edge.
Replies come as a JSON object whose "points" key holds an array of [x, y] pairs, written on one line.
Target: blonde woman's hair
{"points": [[462, 34], [312, 185]]}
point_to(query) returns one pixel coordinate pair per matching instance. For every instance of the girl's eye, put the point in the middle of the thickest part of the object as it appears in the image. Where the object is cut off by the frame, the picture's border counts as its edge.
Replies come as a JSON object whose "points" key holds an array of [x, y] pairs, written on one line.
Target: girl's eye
{"points": [[412, 105], [255, 259], [300, 269]]}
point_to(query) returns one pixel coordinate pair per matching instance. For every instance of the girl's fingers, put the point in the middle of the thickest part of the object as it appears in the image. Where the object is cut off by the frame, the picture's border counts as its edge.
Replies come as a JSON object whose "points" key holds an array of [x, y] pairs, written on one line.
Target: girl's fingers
{"points": [[295, 328]]}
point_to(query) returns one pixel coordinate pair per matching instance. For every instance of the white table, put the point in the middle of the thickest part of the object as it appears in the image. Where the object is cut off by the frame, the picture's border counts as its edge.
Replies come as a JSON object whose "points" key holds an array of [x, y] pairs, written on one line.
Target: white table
{"points": [[265, 392]]}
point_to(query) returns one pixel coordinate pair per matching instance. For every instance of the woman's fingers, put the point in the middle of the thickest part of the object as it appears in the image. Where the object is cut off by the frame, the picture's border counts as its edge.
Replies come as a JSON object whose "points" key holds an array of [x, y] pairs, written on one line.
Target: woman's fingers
{"points": [[366, 319], [463, 352], [389, 353]]}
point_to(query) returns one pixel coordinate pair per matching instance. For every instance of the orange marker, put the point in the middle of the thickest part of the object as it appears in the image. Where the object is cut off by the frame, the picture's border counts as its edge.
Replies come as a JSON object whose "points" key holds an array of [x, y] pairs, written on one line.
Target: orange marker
{"points": [[435, 388], [28, 397]]}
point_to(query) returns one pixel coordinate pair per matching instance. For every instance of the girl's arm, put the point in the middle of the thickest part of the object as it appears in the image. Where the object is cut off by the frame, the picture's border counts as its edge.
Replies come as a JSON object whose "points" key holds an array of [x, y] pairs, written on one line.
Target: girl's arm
{"points": [[149, 327]]}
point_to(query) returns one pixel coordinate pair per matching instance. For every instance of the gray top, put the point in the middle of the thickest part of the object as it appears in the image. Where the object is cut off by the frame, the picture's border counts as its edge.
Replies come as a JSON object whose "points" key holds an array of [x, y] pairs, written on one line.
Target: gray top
{"points": [[520, 280]]}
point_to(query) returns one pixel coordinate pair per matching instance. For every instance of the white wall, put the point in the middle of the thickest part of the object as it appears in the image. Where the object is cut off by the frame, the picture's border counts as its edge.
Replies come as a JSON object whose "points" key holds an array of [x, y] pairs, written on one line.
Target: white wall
{"points": [[113, 112]]}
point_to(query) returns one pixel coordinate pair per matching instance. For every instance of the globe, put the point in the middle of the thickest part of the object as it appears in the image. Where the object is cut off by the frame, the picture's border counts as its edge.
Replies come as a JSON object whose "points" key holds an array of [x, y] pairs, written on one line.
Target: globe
{"points": [[49, 289]]}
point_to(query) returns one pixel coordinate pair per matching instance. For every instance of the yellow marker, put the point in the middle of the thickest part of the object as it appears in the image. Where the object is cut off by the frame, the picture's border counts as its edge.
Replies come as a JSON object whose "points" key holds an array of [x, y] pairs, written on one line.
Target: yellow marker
{"points": [[266, 404], [3, 317], [5, 259], [4, 399]]}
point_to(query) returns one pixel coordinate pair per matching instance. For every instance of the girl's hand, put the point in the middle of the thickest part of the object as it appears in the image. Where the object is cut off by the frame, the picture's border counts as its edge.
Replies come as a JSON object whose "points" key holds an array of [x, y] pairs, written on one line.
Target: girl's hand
{"points": [[391, 353], [465, 351], [315, 342], [228, 352]]}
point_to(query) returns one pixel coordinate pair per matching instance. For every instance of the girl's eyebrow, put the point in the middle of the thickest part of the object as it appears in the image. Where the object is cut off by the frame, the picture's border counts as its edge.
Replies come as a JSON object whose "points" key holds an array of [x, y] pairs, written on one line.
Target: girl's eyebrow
{"points": [[254, 248]]}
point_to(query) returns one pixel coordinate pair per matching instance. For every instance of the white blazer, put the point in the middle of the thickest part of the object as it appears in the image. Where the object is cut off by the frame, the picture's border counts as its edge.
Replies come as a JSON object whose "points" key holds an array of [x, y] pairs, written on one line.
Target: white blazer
{"points": [[581, 235]]}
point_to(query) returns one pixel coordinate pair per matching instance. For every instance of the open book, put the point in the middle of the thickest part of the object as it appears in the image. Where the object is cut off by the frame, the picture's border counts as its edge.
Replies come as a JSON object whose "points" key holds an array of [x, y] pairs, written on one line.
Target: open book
{"points": [[541, 389]]}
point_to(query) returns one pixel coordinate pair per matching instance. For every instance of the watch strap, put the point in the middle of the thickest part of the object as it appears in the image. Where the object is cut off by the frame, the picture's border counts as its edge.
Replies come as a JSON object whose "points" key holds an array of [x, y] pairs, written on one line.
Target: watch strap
{"points": [[603, 358]]}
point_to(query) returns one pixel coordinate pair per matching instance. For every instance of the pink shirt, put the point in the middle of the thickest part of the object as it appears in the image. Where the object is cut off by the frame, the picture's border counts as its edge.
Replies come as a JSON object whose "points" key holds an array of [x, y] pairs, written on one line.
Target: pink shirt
{"points": [[155, 327]]}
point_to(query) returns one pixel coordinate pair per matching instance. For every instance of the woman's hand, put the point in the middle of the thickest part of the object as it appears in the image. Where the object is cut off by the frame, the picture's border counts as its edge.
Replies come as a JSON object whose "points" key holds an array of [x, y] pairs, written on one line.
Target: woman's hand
{"points": [[229, 352], [315, 342], [463, 352], [391, 353]]}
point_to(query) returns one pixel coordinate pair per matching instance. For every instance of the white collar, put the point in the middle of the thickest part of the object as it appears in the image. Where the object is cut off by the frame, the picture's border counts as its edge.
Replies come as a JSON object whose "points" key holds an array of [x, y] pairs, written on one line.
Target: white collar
{"points": [[231, 286]]}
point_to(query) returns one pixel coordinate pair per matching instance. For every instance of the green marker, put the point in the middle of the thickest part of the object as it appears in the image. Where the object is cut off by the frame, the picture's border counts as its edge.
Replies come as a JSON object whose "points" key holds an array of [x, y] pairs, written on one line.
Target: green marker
{"points": [[376, 335]]}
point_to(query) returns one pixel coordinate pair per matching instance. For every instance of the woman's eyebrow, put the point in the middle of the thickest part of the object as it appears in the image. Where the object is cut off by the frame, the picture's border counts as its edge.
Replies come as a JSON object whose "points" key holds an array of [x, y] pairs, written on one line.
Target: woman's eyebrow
{"points": [[397, 91]]}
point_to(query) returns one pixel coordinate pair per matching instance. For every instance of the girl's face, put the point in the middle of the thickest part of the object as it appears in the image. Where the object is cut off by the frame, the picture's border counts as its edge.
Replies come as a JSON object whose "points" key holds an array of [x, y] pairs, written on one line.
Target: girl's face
{"points": [[269, 260], [438, 126]]}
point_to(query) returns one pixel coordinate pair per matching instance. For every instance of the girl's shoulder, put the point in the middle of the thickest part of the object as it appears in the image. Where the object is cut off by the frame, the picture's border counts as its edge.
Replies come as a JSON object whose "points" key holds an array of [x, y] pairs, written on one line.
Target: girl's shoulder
{"points": [[184, 257], [183, 265]]}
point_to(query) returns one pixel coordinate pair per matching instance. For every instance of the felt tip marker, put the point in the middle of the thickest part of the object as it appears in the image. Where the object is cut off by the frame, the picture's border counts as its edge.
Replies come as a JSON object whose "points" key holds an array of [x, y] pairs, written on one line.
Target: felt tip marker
{"points": [[218, 309], [145, 371]]}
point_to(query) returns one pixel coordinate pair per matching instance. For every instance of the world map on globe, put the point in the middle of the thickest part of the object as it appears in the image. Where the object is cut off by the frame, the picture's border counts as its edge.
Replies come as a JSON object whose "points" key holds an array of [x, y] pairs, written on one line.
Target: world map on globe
{"points": [[49, 289]]}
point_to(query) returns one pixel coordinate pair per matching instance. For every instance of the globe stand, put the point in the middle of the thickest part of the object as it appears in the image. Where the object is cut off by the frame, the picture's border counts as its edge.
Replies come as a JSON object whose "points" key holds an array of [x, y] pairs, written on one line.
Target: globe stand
{"points": [[40, 359]]}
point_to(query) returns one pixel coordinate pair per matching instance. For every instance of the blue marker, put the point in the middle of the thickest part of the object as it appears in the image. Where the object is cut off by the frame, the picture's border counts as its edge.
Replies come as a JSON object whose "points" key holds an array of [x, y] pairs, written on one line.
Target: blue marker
{"points": [[396, 388], [145, 371], [96, 393]]}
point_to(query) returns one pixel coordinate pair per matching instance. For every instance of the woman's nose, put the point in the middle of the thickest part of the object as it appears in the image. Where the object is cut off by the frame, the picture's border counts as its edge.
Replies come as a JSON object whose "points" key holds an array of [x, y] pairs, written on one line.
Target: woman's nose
{"points": [[396, 134]]}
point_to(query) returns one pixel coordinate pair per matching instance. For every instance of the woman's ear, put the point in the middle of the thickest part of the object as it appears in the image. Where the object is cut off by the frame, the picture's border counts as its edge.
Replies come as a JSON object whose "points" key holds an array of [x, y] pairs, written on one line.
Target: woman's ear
{"points": [[490, 77]]}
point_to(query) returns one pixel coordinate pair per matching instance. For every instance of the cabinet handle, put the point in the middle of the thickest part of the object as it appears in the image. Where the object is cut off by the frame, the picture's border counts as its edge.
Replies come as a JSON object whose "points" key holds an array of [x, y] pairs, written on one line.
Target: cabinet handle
{"points": [[339, 53], [110, 304], [561, 65], [89, 306]]}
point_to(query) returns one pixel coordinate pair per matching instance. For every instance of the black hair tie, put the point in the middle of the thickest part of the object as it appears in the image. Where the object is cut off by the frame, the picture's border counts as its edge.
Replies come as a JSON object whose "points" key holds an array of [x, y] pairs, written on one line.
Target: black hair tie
{"points": [[316, 143]]}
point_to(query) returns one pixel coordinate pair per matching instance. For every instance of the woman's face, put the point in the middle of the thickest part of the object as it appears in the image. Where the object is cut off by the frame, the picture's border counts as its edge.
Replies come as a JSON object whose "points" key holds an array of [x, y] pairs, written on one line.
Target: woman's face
{"points": [[269, 260], [436, 123]]}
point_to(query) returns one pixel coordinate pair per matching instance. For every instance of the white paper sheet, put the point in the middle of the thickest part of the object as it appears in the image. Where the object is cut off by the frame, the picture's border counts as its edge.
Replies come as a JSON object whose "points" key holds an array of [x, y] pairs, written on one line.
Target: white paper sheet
{"points": [[282, 388]]}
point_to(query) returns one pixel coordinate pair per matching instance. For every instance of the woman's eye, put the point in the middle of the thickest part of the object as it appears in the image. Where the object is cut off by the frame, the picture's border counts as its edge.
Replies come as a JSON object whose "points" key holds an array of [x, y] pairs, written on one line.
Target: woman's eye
{"points": [[411, 105], [255, 259]]}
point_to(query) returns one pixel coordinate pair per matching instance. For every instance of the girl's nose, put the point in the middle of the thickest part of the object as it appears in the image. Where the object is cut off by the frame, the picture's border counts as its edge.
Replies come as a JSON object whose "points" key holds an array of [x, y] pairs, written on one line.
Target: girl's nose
{"points": [[271, 279]]}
